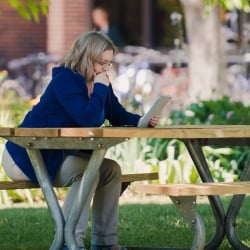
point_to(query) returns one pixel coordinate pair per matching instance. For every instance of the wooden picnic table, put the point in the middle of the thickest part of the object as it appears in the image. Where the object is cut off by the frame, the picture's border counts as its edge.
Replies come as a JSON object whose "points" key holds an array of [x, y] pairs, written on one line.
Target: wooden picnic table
{"points": [[101, 139]]}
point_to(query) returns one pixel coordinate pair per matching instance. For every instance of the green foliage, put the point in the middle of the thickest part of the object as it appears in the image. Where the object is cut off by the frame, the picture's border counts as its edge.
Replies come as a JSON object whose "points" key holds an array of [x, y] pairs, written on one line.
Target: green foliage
{"points": [[229, 4], [178, 166], [130, 154], [12, 110], [30, 9], [218, 112], [170, 31]]}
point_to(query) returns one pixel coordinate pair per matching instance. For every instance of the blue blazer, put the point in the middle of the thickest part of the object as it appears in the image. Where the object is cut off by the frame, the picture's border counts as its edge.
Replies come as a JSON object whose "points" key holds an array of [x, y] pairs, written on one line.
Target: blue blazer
{"points": [[65, 103]]}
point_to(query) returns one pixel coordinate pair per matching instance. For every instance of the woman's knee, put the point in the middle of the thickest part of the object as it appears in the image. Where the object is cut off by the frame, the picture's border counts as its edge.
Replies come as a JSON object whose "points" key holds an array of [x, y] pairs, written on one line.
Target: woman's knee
{"points": [[112, 165], [70, 171], [10, 167], [110, 170]]}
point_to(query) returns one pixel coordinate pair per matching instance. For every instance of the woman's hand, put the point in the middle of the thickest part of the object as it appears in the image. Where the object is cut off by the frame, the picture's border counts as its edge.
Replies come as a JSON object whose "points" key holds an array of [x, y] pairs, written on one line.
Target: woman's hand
{"points": [[102, 78], [154, 121]]}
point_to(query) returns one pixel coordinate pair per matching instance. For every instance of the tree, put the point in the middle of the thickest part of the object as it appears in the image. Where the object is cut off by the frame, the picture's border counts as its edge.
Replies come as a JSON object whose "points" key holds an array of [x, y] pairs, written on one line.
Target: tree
{"points": [[206, 45], [229, 4], [30, 9]]}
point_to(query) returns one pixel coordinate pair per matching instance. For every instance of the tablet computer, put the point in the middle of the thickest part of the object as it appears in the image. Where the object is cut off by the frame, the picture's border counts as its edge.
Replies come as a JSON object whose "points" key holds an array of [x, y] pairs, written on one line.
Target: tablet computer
{"points": [[155, 109]]}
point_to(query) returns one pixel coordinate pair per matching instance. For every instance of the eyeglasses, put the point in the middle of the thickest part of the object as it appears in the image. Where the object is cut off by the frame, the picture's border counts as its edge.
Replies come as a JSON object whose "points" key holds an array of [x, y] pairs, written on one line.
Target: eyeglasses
{"points": [[106, 64]]}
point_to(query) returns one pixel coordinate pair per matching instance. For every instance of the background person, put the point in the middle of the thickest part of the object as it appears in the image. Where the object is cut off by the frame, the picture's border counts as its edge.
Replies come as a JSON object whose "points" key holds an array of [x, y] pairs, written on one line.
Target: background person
{"points": [[102, 22]]}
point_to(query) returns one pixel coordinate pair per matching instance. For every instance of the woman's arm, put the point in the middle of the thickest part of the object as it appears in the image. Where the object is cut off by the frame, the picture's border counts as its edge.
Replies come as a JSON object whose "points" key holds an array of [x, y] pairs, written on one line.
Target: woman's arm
{"points": [[72, 94], [117, 114]]}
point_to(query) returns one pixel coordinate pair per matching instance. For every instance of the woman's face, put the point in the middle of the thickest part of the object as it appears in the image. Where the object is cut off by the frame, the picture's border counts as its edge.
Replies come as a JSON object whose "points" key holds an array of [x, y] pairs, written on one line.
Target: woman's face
{"points": [[105, 62]]}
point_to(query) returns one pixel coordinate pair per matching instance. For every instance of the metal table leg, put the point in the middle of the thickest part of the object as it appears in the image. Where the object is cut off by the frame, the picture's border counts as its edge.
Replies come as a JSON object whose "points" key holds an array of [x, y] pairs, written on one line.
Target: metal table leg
{"points": [[196, 153], [233, 211], [187, 208], [49, 194], [81, 197]]}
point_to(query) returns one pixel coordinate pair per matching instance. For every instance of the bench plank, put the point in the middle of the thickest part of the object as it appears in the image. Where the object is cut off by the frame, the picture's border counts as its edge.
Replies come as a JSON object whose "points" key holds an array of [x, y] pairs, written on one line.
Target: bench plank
{"points": [[126, 178], [9, 185], [139, 177], [218, 188]]}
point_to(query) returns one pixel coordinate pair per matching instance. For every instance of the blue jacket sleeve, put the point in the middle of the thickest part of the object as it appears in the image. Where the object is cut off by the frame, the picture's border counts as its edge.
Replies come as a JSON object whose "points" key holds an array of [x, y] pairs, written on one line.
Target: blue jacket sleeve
{"points": [[117, 114], [73, 97]]}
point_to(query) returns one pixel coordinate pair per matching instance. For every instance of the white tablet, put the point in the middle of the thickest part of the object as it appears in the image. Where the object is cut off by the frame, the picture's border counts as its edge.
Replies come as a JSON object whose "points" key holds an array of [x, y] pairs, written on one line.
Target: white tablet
{"points": [[155, 109]]}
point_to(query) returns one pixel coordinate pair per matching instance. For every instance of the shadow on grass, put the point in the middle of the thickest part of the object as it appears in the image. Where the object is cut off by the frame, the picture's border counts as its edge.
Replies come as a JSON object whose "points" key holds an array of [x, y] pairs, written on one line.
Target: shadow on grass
{"points": [[140, 225]]}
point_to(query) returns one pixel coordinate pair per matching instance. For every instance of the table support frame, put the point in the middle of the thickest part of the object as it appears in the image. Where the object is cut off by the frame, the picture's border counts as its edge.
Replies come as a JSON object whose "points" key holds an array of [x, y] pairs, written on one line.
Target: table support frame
{"points": [[81, 197], [64, 231], [195, 150], [50, 197], [187, 208], [226, 223], [232, 212]]}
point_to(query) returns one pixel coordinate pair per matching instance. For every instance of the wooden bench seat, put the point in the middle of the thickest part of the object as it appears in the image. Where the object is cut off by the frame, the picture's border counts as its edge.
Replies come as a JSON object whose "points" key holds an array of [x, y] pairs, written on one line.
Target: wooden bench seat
{"points": [[126, 180], [214, 188], [184, 197]]}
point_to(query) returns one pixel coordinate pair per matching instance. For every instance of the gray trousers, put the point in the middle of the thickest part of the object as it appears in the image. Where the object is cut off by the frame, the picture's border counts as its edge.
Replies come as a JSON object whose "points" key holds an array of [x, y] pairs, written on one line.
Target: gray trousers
{"points": [[105, 193]]}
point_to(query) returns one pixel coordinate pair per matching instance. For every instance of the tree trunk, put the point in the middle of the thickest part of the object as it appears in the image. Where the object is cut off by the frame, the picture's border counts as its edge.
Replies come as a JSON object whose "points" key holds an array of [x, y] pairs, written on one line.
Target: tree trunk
{"points": [[205, 51]]}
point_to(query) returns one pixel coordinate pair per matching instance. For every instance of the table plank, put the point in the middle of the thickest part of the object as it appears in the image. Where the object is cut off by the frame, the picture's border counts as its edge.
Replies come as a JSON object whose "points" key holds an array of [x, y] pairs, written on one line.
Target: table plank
{"points": [[170, 132], [181, 132], [81, 132], [37, 132], [6, 132]]}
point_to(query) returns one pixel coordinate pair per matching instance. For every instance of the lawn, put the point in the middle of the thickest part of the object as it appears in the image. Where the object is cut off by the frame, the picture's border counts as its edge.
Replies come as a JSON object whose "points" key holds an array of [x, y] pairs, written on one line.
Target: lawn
{"points": [[141, 224]]}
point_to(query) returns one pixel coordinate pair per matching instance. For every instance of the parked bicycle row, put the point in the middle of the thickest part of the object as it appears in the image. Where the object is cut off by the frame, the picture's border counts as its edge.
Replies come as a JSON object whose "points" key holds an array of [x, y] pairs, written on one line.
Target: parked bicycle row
{"points": [[139, 75], [28, 76]]}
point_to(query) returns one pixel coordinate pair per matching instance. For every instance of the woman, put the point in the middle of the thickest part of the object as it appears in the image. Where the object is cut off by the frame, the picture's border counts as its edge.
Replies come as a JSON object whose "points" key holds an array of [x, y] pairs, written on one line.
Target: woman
{"points": [[79, 95]]}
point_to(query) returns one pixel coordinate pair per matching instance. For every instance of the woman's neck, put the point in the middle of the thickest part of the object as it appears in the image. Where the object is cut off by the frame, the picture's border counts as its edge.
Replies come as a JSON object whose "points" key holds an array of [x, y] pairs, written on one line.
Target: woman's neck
{"points": [[90, 86]]}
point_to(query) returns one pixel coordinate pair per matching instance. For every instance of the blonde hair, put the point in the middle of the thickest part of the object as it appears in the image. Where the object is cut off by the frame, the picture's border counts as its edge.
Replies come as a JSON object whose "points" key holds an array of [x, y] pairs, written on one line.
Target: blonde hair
{"points": [[85, 51]]}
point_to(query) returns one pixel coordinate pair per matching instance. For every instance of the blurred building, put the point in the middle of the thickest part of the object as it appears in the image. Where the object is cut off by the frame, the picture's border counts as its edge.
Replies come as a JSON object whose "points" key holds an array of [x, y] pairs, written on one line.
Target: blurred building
{"points": [[19, 37], [53, 34], [145, 23]]}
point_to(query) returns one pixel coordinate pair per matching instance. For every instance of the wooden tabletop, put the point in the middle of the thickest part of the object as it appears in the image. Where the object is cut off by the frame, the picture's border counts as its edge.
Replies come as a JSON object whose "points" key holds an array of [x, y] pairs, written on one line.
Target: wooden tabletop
{"points": [[178, 132]]}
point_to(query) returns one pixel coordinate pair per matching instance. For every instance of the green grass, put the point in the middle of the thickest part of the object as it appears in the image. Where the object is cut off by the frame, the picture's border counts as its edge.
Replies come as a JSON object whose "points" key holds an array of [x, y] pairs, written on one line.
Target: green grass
{"points": [[154, 225]]}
